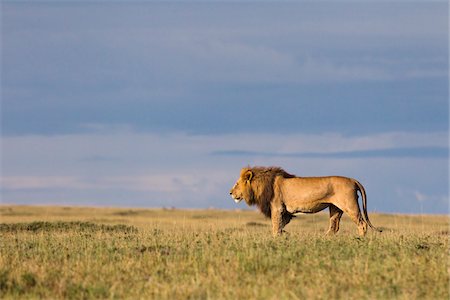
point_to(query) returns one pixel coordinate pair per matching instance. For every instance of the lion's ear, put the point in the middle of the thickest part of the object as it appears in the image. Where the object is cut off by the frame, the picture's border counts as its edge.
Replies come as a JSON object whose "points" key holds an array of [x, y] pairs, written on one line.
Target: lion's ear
{"points": [[248, 175]]}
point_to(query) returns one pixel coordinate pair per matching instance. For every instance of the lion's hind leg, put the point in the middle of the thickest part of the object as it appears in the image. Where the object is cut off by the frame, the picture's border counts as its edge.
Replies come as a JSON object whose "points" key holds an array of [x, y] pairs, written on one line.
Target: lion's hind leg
{"points": [[335, 218], [351, 208], [357, 218]]}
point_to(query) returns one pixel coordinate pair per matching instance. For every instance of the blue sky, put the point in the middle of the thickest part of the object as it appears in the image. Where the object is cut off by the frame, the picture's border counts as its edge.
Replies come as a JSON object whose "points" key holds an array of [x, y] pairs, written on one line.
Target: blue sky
{"points": [[157, 104]]}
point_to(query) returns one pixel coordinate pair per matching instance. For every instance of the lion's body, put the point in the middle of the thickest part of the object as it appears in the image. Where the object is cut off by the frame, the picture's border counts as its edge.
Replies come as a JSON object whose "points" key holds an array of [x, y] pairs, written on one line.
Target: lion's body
{"points": [[313, 194], [279, 195]]}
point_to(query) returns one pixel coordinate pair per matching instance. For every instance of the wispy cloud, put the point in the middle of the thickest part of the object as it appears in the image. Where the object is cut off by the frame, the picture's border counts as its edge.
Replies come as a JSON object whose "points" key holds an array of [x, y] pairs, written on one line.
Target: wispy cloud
{"points": [[166, 102], [75, 64], [40, 182], [423, 198], [418, 152], [183, 170], [155, 183]]}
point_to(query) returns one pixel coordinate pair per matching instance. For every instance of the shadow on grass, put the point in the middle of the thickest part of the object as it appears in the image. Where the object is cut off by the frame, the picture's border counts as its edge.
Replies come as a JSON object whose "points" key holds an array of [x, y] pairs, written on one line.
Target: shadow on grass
{"points": [[66, 226]]}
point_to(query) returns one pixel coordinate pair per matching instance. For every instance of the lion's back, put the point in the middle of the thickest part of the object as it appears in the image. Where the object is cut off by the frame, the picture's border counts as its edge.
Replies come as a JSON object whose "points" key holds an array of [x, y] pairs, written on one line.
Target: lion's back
{"points": [[313, 187]]}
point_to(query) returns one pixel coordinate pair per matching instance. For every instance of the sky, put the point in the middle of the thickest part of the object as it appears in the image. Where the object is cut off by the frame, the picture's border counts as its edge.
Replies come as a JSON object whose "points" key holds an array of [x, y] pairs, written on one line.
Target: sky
{"points": [[160, 104]]}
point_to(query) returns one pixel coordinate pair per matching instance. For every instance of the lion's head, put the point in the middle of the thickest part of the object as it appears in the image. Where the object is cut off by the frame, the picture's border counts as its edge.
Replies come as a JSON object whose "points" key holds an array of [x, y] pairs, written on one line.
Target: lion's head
{"points": [[255, 186], [242, 189]]}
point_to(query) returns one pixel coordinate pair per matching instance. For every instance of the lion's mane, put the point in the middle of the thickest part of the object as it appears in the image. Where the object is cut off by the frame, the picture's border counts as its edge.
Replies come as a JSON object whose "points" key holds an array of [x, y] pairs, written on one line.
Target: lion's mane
{"points": [[262, 189]]}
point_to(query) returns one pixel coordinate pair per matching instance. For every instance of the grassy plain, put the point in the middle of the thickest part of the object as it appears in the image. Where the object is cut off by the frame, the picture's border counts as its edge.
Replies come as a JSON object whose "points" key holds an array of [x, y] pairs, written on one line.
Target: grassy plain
{"points": [[79, 253]]}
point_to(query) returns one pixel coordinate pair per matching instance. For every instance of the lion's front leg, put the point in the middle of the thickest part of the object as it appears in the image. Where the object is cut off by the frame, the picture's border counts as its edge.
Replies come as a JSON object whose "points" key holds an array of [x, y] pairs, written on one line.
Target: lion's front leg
{"points": [[277, 228], [277, 220]]}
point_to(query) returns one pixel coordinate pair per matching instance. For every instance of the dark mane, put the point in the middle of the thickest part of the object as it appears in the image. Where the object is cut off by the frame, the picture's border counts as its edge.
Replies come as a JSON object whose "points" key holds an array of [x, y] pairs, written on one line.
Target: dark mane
{"points": [[263, 188], [270, 171]]}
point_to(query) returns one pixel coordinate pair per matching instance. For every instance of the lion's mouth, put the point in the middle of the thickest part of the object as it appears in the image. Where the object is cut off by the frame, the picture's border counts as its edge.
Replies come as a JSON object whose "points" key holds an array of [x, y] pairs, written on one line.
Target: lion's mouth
{"points": [[237, 199]]}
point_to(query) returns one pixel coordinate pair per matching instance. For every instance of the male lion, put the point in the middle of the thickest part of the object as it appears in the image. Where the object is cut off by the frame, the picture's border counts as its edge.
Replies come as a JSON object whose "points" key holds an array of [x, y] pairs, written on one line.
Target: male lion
{"points": [[279, 195]]}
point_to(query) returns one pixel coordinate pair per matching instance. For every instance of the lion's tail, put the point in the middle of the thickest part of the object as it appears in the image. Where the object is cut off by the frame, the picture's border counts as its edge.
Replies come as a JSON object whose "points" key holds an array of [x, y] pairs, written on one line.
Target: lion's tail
{"points": [[364, 203]]}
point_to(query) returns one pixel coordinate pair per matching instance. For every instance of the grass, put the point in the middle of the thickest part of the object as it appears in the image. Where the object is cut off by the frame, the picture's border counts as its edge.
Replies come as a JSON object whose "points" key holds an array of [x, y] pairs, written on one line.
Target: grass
{"points": [[82, 253]]}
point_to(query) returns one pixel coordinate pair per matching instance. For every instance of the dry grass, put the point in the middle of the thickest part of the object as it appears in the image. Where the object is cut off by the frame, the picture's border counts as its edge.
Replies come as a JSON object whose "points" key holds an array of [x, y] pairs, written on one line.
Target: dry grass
{"points": [[70, 252]]}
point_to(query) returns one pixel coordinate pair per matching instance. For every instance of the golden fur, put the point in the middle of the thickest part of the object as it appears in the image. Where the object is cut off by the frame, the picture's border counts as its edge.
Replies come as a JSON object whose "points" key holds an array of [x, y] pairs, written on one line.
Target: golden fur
{"points": [[279, 195]]}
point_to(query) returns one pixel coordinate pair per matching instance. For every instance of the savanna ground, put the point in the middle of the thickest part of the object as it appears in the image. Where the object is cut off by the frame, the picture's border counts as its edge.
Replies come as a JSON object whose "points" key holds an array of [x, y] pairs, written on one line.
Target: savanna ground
{"points": [[72, 252]]}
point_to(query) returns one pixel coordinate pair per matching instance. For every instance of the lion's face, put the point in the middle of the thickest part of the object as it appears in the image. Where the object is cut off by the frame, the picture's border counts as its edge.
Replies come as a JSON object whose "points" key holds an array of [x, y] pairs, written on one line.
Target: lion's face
{"points": [[242, 188]]}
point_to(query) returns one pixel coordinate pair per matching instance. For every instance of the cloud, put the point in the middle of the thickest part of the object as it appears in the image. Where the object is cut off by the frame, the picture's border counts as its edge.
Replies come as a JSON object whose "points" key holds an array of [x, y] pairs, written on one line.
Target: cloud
{"points": [[113, 102], [192, 64], [265, 43], [390, 144], [420, 197], [419, 152], [336, 146], [161, 183], [177, 169], [424, 198], [39, 182]]}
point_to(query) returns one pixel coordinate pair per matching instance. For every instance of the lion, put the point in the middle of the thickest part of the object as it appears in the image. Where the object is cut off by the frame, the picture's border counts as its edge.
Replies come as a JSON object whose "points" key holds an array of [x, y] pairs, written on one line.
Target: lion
{"points": [[280, 195]]}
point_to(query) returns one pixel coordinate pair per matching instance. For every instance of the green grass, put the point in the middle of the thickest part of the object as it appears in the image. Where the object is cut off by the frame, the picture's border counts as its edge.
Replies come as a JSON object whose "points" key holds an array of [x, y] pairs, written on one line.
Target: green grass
{"points": [[79, 253]]}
